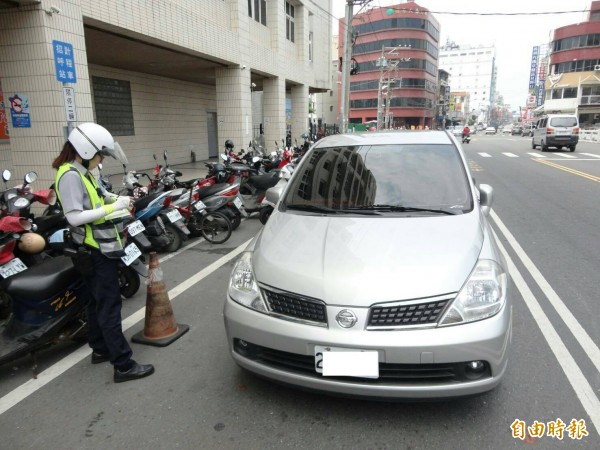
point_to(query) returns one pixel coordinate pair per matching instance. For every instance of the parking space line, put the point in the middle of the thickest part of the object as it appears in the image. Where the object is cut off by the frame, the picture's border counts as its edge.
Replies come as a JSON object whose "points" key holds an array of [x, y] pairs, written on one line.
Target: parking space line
{"points": [[485, 155], [510, 155], [29, 387]]}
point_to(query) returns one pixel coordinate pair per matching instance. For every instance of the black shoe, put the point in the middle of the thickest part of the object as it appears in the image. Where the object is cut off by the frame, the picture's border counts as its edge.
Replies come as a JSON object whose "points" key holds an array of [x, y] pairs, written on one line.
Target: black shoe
{"points": [[98, 358], [137, 371]]}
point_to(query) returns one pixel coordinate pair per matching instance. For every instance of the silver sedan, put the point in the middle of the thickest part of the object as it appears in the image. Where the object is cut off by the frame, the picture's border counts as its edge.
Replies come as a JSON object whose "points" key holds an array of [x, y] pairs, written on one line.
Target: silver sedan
{"points": [[377, 275]]}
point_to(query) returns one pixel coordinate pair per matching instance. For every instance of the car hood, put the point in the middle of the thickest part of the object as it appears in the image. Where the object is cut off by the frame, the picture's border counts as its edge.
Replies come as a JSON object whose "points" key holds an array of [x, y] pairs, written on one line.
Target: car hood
{"points": [[358, 261]]}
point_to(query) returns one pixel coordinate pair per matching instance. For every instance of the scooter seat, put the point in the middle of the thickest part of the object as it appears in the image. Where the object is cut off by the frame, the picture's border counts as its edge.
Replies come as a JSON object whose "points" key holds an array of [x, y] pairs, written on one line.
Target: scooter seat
{"points": [[141, 203], [211, 190], [37, 282], [264, 182]]}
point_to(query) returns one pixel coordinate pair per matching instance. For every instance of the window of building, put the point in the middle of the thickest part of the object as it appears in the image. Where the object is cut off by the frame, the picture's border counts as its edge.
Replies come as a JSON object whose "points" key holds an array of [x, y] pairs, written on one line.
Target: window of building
{"points": [[331, 109], [258, 10], [113, 106], [289, 21]]}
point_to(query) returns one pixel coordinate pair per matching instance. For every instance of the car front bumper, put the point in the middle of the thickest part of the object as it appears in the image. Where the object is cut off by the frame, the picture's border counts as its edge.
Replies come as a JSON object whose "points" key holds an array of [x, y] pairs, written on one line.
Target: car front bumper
{"points": [[420, 360]]}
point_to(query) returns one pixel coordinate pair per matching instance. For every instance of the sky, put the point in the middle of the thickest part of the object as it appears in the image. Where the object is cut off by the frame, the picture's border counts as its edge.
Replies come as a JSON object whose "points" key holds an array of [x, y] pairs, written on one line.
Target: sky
{"points": [[513, 36]]}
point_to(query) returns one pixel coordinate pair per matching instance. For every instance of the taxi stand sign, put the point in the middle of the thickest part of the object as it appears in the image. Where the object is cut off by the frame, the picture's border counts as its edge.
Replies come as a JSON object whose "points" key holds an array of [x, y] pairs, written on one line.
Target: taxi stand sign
{"points": [[64, 62]]}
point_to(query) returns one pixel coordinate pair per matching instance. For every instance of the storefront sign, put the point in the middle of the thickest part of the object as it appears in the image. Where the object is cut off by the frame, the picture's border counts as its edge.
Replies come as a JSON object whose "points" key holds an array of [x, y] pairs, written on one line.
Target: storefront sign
{"points": [[533, 72]]}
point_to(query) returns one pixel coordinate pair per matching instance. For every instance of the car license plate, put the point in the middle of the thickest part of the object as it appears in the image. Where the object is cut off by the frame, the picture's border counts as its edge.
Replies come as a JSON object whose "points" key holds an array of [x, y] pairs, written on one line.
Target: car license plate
{"points": [[135, 228], [12, 267], [237, 202], [174, 215], [199, 205], [346, 362], [132, 252]]}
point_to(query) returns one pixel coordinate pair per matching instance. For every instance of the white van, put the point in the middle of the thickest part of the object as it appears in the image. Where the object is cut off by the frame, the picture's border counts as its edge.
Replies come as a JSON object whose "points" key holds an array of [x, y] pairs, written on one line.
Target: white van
{"points": [[556, 130]]}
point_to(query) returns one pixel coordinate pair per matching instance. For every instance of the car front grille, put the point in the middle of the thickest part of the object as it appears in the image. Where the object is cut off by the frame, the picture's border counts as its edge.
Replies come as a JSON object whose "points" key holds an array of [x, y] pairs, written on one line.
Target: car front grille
{"points": [[402, 315], [296, 307], [389, 373]]}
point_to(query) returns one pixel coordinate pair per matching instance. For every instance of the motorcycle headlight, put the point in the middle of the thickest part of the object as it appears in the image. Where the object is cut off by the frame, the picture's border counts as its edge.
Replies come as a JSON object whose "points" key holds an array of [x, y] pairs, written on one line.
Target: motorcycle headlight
{"points": [[242, 285], [482, 296]]}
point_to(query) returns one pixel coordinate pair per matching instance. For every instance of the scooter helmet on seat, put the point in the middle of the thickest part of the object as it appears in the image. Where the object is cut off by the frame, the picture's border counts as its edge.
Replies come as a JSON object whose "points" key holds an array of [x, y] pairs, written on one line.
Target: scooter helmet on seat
{"points": [[229, 144], [90, 138], [31, 243]]}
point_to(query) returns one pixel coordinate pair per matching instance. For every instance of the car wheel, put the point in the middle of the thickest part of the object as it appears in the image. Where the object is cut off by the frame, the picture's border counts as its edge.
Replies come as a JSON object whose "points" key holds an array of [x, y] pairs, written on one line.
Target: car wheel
{"points": [[533, 144], [543, 146], [572, 148]]}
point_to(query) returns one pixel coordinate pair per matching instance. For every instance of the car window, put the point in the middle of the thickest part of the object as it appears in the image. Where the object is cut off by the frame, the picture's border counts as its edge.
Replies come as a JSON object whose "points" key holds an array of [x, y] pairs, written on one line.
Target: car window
{"points": [[423, 176], [563, 122]]}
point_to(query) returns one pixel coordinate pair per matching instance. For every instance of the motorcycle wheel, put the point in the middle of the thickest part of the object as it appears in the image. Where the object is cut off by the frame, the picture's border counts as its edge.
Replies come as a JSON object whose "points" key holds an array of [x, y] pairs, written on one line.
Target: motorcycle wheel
{"points": [[174, 239], [215, 227], [264, 214], [129, 281]]}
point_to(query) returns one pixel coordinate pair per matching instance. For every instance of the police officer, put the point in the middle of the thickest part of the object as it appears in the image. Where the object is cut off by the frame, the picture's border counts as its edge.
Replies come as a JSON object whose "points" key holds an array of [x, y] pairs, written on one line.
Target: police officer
{"points": [[85, 206]]}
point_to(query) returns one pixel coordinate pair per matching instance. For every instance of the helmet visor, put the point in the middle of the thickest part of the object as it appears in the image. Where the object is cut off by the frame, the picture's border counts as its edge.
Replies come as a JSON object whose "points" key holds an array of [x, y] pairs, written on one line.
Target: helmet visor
{"points": [[116, 152]]}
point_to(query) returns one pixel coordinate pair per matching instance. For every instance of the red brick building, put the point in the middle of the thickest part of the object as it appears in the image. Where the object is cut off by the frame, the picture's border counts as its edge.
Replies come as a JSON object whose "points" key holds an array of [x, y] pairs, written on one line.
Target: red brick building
{"points": [[407, 35]]}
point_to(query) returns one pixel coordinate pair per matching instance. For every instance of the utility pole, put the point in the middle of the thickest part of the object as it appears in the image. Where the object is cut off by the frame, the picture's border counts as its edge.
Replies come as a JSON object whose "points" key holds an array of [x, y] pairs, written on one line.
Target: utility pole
{"points": [[346, 59], [386, 67]]}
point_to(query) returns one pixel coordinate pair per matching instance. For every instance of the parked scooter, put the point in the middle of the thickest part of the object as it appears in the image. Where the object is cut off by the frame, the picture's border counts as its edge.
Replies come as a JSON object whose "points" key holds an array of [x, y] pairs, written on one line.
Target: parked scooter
{"points": [[267, 206], [40, 305]]}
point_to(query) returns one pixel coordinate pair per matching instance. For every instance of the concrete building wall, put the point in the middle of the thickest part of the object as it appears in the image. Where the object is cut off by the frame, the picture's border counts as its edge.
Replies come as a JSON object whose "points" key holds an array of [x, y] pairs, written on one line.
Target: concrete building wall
{"points": [[169, 109]]}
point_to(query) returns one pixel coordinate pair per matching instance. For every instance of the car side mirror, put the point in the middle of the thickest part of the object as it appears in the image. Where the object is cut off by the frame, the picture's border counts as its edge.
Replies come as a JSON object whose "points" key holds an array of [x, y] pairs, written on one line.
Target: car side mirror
{"points": [[273, 194], [486, 198]]}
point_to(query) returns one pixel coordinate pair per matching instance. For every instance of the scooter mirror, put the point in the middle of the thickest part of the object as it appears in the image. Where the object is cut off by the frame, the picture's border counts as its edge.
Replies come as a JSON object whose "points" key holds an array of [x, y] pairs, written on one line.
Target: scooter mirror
{"points": [[6, 175], [30, 177]]}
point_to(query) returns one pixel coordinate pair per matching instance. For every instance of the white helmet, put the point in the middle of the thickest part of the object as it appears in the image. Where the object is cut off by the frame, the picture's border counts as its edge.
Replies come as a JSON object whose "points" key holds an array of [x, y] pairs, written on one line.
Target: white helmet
{"points": [[91, 138]]}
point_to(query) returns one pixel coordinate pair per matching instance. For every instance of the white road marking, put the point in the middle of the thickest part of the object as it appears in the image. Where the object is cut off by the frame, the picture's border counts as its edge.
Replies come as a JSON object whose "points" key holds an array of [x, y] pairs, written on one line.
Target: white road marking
{"points": [[564, 155], [537, 155], [510, 155], [590, 154], [29, 387], [485, 155], [579, 383]]}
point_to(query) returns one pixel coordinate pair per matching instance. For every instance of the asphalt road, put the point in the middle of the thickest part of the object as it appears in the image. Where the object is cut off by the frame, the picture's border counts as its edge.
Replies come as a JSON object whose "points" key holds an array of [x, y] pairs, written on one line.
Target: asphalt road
{"points": [[545, 215]]}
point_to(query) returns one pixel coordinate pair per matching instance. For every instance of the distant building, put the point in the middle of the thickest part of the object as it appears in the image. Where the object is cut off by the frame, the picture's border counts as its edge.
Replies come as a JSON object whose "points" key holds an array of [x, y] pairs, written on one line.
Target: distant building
{"points": [[573, 83], [472, 70], [396, 50]]}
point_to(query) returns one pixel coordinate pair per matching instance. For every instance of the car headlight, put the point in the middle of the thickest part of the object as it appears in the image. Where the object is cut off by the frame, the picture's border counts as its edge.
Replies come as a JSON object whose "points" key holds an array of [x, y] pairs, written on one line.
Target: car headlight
{"points": [[242, 285], [482, 296]]}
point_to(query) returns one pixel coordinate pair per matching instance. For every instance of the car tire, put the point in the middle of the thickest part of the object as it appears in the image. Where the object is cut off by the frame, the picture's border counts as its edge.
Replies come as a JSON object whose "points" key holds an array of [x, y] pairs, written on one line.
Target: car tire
{"points": [[533, 146], [572, 148], [543, 146]]}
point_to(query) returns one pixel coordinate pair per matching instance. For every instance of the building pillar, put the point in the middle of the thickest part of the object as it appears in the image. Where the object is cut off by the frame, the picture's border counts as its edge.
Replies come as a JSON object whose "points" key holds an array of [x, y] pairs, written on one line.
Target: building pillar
{"points": [[299, 111], [274, 111], [27, 68], [234, 107]]}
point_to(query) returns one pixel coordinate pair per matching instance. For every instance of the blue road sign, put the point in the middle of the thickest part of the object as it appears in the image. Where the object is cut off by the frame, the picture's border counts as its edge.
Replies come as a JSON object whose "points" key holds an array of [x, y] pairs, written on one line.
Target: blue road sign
{"points": [[64, 62]]}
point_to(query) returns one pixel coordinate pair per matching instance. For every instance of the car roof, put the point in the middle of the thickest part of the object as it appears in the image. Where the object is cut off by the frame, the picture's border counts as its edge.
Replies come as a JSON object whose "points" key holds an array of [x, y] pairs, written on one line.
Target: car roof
{"points": [[386, 137]]}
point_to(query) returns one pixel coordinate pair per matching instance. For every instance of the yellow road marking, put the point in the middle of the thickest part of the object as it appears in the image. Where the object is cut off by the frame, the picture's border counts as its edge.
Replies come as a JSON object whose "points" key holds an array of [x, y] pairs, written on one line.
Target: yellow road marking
{"points": [[568, 169]]}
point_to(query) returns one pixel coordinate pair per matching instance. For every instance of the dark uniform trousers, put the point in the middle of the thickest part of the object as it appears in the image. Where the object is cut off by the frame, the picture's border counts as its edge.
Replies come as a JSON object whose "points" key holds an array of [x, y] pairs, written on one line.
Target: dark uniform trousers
{"points": [[104, 312]]}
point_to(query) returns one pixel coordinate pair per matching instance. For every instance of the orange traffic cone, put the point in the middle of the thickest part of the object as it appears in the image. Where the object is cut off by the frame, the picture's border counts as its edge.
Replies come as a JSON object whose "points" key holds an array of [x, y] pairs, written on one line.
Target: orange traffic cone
{"points": [[160, 327]]}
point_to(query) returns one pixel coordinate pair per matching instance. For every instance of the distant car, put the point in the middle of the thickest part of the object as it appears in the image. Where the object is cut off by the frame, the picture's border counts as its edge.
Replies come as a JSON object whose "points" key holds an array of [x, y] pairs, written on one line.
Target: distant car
{"points": [[490, 130], [507, 129], [457, 130], [517, 130]]}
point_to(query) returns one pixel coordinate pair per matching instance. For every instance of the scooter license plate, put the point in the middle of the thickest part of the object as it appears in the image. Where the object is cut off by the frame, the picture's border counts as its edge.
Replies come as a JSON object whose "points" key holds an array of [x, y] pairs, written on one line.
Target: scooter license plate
{"points": [[237, 202], [132, 252], [174, 215], [135, 228], [199, 205], [12, 267]]}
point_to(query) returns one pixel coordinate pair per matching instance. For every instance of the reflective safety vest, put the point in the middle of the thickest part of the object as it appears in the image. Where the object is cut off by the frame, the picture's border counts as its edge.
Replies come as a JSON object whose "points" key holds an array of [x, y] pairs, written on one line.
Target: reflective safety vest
{"points": [[100, 234]]}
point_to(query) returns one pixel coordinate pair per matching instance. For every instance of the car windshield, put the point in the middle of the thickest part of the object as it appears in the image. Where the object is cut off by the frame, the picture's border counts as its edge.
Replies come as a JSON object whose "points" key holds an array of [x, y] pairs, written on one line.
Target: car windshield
{"points": [[381, 180]]}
